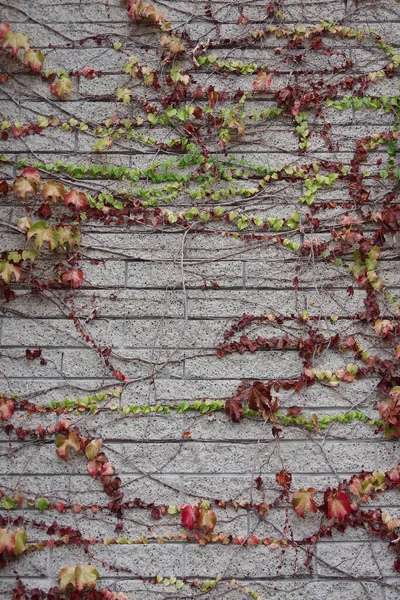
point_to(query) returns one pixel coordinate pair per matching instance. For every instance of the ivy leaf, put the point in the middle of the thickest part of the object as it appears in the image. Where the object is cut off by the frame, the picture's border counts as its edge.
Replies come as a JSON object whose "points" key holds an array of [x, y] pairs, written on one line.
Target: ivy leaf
{"points": [[78, 200], [78, 577], [262, 81], [124, 94], [189, 516], [152, 118], [24, 224], [20, 539], [173, 44], [207, 517], [72, 276], [234, 408], [144, 10], [61, 88], [15, 257], [99, 469], [8, 503], [23, 187], [31, 174], [284, 479], [42, 504], [303, 500], [8, 269], [102, 144], [89, 72], [7, 541], [13, 542], [92, 449], [7, 408], [3, 187], [259, 397], [294, 411], [63, 444], [339, 505], [68, 234], [43, 233], [53, 191], [34, 59], [4, 27], [15, 41]]}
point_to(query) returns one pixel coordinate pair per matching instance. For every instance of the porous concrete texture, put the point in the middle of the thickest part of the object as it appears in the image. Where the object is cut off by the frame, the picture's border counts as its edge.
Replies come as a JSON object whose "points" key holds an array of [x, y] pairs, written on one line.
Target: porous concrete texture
{"points": [[162, 297]]}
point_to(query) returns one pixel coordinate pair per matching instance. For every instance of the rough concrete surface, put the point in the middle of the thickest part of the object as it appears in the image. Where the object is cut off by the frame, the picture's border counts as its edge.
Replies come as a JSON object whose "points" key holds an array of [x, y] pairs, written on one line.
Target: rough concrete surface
{"points": [[161, 297]]}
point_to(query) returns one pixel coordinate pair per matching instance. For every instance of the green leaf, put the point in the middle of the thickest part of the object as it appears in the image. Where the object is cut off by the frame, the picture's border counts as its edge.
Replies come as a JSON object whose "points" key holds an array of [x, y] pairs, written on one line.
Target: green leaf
{"points": [[102, 144], [14, 256], [153, 118], [42, 504], [8, 503]]}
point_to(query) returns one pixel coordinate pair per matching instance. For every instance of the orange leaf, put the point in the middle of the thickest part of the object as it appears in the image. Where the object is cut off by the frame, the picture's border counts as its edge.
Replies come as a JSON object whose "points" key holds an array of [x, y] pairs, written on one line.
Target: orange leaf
{"points": [[207, 517], [262, 81], [63, 444], [53, 191], [303, 500]]}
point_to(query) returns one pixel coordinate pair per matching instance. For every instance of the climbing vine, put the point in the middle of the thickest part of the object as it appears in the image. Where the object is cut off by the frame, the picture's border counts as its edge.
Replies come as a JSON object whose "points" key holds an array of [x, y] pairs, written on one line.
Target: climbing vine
{"points": [[205, 140]]}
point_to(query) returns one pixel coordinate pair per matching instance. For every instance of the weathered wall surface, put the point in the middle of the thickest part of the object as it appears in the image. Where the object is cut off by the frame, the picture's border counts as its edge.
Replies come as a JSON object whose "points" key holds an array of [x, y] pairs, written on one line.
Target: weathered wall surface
{"points": [[161, 296]]}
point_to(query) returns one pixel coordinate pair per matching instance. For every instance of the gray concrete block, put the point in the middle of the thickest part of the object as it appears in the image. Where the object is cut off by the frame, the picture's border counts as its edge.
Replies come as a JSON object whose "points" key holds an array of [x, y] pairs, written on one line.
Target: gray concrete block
{"points": [[184, 457], [224, 274], [264, 365], [173, 333], [212, 561], [58, 332], [140, 363]]}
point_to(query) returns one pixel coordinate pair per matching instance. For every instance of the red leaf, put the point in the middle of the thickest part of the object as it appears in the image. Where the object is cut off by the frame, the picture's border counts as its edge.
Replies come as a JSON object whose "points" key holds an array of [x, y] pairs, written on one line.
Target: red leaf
{"points": [[189, 516], [259, 397], [119, 375], [339, 505], [155, 513], [3, 187], [32, 354], [8, 294], [7, 408], [4, 27], [7, 541], [296, 108], [77, 200], [44, 210], [283, 479], [262, 81], [31, 174], [34, 59], [89, 72], [233, 408], [73, 276]]}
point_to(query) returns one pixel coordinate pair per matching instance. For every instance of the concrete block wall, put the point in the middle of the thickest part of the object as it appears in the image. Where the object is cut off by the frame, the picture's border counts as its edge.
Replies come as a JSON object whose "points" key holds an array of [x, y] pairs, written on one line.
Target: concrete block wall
{"points": [[161, 298]]}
